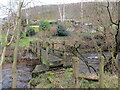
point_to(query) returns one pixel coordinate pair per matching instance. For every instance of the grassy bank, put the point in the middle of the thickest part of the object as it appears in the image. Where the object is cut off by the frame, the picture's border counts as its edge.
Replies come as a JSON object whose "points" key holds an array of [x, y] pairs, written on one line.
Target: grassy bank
{"points": [[63, 78]]}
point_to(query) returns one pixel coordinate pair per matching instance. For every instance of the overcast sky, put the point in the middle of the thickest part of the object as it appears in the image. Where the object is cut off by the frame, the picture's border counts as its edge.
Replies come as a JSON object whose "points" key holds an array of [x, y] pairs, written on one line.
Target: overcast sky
{"points": [[47, 1], [38, 2], [53, 1], [34, 3]]}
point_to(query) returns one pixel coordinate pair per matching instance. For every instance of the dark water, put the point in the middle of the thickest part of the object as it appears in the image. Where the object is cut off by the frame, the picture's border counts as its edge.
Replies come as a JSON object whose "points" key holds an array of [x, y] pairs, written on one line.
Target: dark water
{"points": [[24, 69], [92, 60]]}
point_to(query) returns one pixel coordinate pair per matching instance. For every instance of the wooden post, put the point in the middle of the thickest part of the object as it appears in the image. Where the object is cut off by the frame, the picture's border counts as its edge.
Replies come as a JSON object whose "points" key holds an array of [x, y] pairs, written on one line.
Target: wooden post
{"points": [[75, 62], [38, 48], [32, 46], [53, 47], [46, 53], [64, 53], [101, 72], [40, 45]]}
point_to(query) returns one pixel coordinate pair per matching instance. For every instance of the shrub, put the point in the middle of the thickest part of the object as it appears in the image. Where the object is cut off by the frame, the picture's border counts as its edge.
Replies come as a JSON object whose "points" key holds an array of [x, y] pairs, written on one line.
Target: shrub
{"points": [[61, 30], [30, 32], [44, 25], [9, 37], [22, 35]]}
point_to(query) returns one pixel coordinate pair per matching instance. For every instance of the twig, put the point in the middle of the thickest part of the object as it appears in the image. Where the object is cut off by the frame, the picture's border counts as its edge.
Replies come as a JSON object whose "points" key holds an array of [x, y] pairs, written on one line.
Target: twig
{"points": [[54, 82], [89, 79]]}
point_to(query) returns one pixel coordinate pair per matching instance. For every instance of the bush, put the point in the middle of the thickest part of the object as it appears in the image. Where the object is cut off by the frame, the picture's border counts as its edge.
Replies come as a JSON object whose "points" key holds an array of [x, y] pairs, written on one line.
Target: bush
{"points": [[30, 32], [22, 35], [61, 30], [44, 25], [9, 37]]}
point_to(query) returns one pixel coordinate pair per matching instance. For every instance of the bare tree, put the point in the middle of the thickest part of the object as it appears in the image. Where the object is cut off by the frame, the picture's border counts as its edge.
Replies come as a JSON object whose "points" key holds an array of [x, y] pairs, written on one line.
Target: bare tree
{"points": [[14, 84], [105, 16], [7, 43]]}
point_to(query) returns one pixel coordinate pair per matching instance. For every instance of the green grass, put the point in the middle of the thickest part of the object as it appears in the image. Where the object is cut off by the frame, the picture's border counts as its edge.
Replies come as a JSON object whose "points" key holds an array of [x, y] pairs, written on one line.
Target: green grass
{"points": [[26, 40], [2, 39], [23, 42], [2, 36], [65, 79]]}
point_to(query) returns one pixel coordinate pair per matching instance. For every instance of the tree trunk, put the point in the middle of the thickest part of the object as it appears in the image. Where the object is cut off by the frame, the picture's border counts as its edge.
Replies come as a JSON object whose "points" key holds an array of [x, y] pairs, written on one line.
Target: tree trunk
{"points": [[46, 54], [3, 54], [110, 66], [101, 72], [75, 61], [14, 84]]}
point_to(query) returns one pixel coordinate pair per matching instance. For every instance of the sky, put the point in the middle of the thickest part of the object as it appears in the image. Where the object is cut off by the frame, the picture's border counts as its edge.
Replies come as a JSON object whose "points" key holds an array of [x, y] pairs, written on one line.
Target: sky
{"points": [[46, 1], [4, 11], [5, 3]]}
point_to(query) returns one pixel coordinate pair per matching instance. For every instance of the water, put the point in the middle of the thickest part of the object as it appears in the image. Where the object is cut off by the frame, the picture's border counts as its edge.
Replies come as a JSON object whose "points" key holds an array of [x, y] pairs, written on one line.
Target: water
{"points": [[92, 60], [24, 69]]}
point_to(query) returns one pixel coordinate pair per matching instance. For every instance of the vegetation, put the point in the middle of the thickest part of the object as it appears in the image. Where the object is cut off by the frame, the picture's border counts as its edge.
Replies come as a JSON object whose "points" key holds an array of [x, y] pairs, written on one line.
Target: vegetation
{"points": [[9, 37], [44, 25], [63, 78], [92, 39], [35, 27], [61, 30], [30, 32]]}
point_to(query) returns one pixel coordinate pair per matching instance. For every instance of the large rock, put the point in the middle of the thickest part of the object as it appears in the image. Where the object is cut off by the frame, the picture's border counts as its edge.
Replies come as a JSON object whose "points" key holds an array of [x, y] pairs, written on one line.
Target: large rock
{"points": [[40, 68]]}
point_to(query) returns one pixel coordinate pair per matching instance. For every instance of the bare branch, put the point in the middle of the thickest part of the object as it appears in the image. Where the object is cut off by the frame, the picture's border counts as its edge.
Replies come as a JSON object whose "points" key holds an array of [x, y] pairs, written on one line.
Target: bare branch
{"points": [[109, 13], [27, 3]]}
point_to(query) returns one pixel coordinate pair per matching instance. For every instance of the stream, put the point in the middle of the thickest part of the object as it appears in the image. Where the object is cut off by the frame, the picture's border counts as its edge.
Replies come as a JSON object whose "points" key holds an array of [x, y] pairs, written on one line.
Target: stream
{"points": [[25, 67]]}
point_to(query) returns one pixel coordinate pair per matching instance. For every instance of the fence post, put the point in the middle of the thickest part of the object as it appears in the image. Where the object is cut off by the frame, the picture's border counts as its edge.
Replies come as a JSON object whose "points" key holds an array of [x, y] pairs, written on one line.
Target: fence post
{"points": [[64, 53], [46, 52], [101, 72], [75, 62], [33, 46], [36, 48], [53, 47], [40, 51]]}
